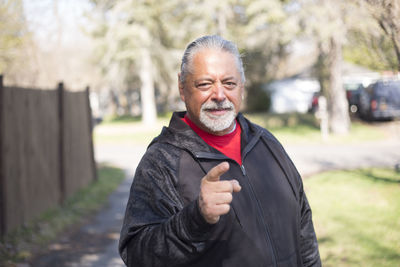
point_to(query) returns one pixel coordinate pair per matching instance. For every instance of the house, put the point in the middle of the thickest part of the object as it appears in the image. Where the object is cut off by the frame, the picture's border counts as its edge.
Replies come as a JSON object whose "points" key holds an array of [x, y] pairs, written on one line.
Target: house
{"points": [[294, 94]]}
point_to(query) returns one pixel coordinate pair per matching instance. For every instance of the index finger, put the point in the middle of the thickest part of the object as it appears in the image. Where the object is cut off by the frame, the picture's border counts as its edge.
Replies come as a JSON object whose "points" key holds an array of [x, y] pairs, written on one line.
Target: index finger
{"points": [[214, 174]]}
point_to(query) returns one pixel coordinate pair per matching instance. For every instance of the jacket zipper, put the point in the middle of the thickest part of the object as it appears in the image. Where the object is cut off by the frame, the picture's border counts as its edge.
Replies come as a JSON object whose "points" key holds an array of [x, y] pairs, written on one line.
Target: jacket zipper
{"points": [[260, 210], [243, 169], [246, 150]]}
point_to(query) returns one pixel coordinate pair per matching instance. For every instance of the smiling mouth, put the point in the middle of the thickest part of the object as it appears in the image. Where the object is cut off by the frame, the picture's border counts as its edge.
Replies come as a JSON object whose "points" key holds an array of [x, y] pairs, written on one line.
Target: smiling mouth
{"points": [[217, 111]]}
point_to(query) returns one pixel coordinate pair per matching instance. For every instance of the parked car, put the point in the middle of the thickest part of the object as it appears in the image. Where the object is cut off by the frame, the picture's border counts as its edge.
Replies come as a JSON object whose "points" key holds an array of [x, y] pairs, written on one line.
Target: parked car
{"points": [[314, 102], [353, 91], [380, 100]]}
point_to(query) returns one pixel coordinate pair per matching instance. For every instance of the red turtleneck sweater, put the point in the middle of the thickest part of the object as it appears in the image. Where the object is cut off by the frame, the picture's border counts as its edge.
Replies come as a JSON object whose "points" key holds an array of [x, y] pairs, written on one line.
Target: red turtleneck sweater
{"points": [[228, 144]]}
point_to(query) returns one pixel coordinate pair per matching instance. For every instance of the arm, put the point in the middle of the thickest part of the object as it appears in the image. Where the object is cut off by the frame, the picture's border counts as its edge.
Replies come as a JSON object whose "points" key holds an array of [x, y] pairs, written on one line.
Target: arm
{"points": [[308, 240], [157, 229], [176, 241]]}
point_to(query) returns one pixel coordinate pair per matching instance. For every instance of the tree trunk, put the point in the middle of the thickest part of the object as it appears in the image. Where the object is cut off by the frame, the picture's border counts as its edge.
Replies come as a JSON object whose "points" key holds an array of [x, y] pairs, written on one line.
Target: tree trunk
{"points": [[339, 119], [149, 113], [396, 41], [114, 102], [394, 36], [221, 21], [393, 8], [322, 70]]}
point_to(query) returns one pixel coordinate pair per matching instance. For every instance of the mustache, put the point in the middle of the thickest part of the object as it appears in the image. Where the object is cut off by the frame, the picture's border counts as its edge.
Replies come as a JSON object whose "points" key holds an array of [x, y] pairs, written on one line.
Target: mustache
{"points": [[212, 105]]}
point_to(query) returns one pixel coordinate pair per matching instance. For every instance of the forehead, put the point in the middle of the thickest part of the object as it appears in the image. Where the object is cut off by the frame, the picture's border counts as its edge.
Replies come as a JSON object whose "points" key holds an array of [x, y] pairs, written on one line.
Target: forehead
{"points": [[214, 61]]}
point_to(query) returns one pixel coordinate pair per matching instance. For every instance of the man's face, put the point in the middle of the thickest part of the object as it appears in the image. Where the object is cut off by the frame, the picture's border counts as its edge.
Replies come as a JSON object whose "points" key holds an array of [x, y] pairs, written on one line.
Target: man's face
{"points": [[213, 91]]}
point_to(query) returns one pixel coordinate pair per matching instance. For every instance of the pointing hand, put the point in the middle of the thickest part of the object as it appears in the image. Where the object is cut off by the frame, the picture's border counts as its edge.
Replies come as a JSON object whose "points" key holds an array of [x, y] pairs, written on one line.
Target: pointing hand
{"points": [[215, 195]]}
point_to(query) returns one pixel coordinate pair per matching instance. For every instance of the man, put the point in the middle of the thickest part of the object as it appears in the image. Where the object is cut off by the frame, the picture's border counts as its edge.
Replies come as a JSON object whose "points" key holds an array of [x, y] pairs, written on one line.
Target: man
{"points": [[213, 189]]}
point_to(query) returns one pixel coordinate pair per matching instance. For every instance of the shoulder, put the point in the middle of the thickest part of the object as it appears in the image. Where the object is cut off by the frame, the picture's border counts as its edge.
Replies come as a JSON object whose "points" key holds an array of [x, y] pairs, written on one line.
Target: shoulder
{"points": [[156, 176], [280, 154], [257, 129], [266, 134], [159, 156], [162, 151]]}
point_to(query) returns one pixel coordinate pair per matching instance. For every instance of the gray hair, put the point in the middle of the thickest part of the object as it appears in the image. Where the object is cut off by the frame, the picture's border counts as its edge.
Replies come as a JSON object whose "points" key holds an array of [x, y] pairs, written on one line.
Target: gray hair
{"points": [[209, 42]]}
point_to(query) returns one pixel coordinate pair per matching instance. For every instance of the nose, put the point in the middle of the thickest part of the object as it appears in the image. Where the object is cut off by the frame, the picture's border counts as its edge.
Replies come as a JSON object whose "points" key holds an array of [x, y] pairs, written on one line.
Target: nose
{"points": [[218, 93]]}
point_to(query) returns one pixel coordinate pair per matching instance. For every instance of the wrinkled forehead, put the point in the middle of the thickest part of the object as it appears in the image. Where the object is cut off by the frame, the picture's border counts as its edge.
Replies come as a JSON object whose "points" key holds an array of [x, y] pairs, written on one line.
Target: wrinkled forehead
{"points": [[208, 56]]}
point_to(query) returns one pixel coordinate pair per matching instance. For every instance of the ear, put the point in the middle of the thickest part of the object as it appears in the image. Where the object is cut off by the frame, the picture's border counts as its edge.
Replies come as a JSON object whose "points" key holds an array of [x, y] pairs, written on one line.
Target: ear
{"points": [[181, 88]]}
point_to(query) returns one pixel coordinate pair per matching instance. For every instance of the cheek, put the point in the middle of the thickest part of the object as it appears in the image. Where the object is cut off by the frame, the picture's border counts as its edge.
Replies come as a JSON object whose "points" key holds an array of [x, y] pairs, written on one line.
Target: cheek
{"points": [[194, 102], [236, 99], [200, 97]]}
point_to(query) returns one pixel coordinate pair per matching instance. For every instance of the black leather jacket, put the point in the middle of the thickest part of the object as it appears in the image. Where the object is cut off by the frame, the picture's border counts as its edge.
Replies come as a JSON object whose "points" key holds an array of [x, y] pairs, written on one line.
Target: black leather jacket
{"points": [[269, 223]]}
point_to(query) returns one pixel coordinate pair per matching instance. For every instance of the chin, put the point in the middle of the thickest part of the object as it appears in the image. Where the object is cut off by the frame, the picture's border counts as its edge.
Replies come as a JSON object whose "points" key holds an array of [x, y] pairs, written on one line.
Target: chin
{"points": [[217, 125]]}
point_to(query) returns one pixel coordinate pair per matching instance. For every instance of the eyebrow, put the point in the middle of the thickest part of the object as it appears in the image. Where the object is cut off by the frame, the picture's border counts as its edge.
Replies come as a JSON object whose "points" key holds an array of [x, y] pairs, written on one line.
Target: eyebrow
{"points": [[212, 80], [228, 78], [204, 79]]}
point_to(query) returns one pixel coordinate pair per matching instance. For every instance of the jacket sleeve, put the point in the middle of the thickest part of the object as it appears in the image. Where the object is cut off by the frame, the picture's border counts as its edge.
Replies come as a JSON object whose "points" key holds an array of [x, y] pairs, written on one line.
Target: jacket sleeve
{"points": [[308, 240], [158, 230]]}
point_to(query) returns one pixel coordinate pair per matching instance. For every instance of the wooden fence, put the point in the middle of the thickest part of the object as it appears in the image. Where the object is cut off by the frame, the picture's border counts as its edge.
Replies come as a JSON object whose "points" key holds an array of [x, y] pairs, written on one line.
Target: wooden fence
{"points": [[46, 150]]}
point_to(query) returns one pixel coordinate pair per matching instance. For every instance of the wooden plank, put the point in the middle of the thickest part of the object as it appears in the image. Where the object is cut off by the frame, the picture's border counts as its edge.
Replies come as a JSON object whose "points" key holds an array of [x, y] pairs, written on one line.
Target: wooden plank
{"points": [[61, 142], [3, 203], [91, 125], [77, 154]]}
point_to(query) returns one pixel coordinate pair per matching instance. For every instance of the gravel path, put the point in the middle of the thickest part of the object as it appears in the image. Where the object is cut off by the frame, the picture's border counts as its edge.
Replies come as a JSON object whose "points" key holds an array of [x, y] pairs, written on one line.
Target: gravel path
{"points": [[313, 159], [95, 244]]}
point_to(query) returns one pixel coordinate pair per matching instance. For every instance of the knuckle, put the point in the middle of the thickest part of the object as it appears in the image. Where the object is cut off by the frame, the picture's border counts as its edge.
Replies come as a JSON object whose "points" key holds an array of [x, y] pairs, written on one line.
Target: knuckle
{"points": [[226, 208], [227, 186], [229, 198], [206, 202], [206, 209]]}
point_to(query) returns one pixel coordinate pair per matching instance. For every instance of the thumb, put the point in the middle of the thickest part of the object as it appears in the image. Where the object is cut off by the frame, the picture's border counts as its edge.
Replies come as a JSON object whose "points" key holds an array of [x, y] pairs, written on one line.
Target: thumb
{"points": [[236, 186], [214, 174]]}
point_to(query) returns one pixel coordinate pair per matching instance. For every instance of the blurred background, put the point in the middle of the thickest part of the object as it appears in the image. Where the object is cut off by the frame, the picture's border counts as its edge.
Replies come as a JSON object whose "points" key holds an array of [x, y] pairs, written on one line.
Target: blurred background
{"points": [[87, 84]]}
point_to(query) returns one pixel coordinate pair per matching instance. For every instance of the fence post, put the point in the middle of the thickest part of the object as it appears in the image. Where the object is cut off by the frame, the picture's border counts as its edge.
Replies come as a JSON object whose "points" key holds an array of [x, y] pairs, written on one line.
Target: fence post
{"points": [[3, 206], [91, 126], [61, 147]]}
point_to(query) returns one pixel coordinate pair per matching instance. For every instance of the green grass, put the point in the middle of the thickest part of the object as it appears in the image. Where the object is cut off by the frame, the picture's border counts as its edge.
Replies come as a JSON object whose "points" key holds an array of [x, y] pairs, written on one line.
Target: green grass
{"points": [[132, 137], [295, 128], [19, 244], [127, 131], [121, 119], [115, 119], [288, 128], [356, 216]]}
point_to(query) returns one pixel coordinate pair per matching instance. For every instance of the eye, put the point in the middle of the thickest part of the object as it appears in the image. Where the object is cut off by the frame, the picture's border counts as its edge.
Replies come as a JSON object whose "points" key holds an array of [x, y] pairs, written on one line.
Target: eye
{"points": [[204, 85], [230, 85]]}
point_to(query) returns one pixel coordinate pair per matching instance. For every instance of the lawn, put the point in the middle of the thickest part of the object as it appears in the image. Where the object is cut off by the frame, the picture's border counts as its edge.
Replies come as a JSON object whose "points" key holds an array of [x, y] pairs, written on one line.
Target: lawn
{"points": [[288, 128], [127, 130], [296, 128], [356, 216]]}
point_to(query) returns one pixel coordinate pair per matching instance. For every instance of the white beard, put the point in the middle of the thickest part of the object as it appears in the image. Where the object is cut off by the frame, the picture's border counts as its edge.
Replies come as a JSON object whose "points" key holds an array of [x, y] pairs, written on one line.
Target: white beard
{"points": [[217, 123]]}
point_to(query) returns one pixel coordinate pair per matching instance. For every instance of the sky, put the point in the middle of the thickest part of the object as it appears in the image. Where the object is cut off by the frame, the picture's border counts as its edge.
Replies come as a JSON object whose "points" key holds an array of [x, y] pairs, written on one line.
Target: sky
{"points": [[53, 20]]}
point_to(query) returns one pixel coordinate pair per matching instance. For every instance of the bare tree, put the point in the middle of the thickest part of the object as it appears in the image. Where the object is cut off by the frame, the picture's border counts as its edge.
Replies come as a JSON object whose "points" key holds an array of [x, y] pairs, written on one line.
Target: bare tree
{"points": [[387, 14], [13, 32], [132, 40]]}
